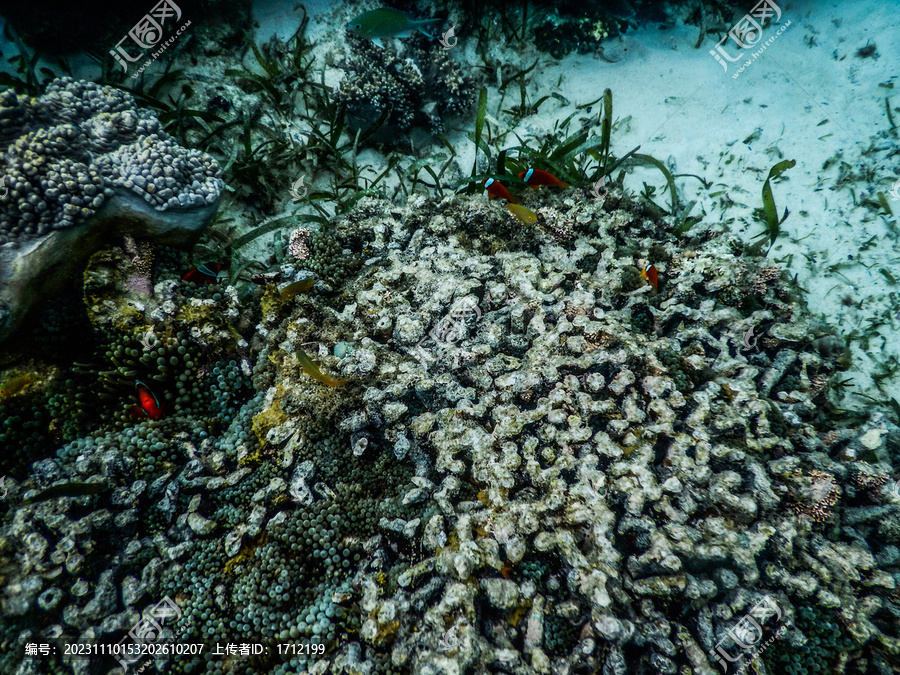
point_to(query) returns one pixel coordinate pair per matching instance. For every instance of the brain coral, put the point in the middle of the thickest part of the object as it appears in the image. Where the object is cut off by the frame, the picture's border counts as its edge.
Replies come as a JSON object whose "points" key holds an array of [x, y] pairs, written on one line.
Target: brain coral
{"points": [[603, 478]]}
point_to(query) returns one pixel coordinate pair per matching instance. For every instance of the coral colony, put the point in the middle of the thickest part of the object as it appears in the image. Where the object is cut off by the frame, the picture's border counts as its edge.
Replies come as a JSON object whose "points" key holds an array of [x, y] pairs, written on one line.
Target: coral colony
{"points": [[420, 433], [82, 162]]}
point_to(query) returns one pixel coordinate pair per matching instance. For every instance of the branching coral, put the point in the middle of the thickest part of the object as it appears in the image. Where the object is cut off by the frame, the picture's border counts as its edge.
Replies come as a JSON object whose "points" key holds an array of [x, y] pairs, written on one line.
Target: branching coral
{"points": [[380, 83], [817, 496]]}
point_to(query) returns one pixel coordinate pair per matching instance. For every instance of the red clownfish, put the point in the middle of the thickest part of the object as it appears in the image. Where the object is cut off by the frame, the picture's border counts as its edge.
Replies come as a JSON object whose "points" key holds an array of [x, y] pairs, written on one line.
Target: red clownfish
{"points": [[652, 275], [535, 177], [149, 404], [495, 189], [204, 274]]}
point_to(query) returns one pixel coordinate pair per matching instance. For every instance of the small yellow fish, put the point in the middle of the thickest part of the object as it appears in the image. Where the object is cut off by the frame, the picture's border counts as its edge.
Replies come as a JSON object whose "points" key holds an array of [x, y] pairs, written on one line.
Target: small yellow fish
{"points": [[16, 384], [386, 23], [293, 289], [527, 216], [313, 371]]}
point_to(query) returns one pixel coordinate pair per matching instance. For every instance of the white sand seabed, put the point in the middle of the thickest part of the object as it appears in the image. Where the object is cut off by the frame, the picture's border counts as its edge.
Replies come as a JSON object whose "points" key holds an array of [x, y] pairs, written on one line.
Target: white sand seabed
{"points": [[807, 97]]}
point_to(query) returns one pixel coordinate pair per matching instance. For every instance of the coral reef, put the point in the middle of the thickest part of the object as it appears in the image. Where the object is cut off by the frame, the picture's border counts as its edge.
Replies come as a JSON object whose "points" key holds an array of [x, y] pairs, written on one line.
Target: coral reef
{"points": [[538, 463], [559, 35], [86, 362], [584, 477], [66, 150], [420, 85], [82, 163]]}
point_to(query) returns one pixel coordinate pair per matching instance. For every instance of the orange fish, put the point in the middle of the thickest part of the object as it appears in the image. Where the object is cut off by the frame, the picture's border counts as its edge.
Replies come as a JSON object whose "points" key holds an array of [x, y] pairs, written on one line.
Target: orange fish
{"points": [[149, 404], [204, 274], [495, 189], [652, 275], [535, 177]]}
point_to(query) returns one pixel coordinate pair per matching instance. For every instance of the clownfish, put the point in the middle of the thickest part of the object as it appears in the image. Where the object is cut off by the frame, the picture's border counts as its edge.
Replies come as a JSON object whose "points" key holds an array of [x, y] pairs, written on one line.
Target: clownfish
{"points": [[527, 216], [149, 404], [535, 177], [204, 274], [651, 274], [495, 189]]}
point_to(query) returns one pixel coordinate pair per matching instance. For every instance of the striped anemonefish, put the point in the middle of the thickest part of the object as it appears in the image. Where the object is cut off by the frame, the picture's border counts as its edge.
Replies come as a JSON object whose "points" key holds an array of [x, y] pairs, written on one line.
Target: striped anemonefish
{"points": [[149, 404], [204, 274], [535, 177], [495, 189], [651, 274]]}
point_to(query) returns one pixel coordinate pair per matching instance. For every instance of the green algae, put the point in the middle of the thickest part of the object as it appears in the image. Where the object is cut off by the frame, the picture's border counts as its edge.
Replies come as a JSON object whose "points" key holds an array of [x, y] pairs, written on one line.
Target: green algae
{"points": [[772, 220]]}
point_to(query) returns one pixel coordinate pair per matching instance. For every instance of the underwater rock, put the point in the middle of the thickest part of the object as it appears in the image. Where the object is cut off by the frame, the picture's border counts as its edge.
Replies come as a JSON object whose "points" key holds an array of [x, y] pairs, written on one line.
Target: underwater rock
{"points": [[34, 269], [200, 525], [82, 163]]}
